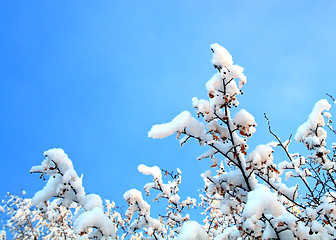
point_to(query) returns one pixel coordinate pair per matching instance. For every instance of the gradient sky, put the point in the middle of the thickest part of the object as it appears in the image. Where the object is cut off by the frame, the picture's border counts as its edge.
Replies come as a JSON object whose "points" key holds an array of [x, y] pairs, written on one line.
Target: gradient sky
{"points": [[92, 77]]}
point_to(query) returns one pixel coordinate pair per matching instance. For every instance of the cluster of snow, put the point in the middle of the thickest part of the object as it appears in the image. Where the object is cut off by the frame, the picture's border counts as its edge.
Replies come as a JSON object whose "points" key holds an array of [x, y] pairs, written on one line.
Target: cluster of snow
{"points": [[228, 233], [215, 83], [311, 132], [64, 183], [178, 124], [203, 108], [261, 157], [155, 171], [261, 201], [192, 230], [221, 57], [215, 128], [222, 88], [136, 204], [183, 122], [169, 191], [245, 123]]}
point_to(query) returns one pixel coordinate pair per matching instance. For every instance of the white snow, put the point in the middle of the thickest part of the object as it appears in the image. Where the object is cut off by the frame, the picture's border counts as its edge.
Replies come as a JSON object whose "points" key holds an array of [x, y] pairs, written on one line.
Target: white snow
{"points": [[155, 171], [245, 122], [192, 230], [311, 132], [178, 124], [221, 57], [65, 184], [262, 200], [261, 155]]}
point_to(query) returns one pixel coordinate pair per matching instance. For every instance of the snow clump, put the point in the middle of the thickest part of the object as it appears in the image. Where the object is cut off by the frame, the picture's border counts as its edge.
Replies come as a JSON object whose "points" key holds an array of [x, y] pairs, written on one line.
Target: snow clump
{"points": [[192, 230]]}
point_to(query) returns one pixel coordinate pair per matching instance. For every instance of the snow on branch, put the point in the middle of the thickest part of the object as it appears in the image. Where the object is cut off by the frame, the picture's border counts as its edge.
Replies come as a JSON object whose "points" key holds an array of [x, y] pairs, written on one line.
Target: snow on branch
{"points": [[311, 132], [167, 226], [64, 183]]}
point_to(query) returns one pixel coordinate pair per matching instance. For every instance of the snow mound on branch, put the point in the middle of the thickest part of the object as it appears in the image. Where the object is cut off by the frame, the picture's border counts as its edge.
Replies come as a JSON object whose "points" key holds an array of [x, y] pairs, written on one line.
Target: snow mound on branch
{"points": [[92, 201], [261, 155], [132, 196], [221, 57], [192, 230], [228, 232], [245, 122], [262, 200], [182, 122], [243, 118], [309, 132], [214, 83], [237, 72], [58, 161], [64, 184], [155, 171], [176, 125], [96, 217]]}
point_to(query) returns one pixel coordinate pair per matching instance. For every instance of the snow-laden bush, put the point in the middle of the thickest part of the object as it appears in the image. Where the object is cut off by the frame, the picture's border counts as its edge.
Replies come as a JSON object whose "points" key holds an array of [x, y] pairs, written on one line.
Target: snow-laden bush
{"points": [[246, 193]]}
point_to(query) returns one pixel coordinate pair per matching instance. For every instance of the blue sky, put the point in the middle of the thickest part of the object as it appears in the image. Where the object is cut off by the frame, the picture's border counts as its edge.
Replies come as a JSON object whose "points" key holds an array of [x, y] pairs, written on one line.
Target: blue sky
{"points": [[92, 77]]}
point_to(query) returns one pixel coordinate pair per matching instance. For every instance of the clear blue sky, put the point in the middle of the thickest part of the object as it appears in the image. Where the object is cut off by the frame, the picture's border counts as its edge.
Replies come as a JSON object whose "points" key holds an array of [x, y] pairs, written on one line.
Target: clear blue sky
{"points": [[92, 77]]}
